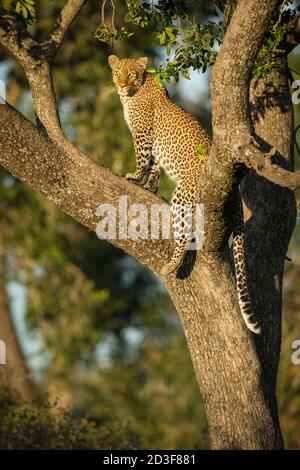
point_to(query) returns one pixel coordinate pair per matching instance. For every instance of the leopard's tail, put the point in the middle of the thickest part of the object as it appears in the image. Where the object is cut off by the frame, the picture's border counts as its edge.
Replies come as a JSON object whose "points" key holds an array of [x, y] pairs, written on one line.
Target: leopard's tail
{"points": [[241, 274]]}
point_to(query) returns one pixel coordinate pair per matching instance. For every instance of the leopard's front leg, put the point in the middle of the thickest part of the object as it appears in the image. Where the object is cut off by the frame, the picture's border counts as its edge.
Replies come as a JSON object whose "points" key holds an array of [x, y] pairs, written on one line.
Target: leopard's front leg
{"points": [[153, 175], [143, 151]]}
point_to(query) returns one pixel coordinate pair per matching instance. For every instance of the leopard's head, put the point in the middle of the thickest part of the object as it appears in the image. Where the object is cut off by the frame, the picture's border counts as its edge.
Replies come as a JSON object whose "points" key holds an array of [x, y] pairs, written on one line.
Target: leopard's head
{"points": [[128, 74]]}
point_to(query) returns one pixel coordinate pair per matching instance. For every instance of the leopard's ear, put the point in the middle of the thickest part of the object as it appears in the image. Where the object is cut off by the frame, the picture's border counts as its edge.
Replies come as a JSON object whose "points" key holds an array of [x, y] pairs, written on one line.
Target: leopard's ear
{"points": [[142, 62], [113, 61]]}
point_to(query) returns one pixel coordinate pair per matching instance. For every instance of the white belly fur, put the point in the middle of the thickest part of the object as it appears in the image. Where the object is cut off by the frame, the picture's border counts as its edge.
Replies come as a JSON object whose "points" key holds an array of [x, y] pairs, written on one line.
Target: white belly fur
{"points": [[126, 112]]}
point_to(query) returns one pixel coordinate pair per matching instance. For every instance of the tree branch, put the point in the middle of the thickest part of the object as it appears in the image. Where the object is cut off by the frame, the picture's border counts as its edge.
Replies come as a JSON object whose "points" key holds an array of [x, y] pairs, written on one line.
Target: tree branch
{"points": [[36, 59], [262, 164], [74, 183], [232, 126], [233, 68], [61, 26], [232, 72], [227, 8], [14, 35]]}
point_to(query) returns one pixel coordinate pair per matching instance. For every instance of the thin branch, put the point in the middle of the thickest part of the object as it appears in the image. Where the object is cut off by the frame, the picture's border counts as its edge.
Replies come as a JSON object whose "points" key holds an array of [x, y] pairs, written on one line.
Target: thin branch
{"points": [[227, 8], [14, 35], [263, 165], [113, 14], [62, 25], [103, 13], [36, 59]]}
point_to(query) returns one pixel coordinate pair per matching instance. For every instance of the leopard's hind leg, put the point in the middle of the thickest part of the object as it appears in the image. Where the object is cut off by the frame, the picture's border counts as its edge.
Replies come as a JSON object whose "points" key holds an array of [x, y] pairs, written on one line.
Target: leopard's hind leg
{"points": [[183, 207]]}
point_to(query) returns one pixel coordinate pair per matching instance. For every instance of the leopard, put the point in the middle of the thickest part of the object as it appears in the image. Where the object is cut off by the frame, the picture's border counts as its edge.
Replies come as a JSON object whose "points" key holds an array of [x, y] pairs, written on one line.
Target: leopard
{"points": [[165, 135]]}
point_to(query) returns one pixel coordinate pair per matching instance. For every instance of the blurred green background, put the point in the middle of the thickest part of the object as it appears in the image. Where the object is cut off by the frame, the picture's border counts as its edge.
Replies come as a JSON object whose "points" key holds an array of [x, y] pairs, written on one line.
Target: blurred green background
{"points": [[104, 348]]}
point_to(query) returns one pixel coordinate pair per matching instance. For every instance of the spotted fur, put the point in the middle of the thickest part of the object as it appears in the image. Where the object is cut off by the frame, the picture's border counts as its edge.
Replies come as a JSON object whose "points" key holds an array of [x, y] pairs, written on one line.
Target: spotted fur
{"points": [[149, 112], [241, 272], [166, 135]]}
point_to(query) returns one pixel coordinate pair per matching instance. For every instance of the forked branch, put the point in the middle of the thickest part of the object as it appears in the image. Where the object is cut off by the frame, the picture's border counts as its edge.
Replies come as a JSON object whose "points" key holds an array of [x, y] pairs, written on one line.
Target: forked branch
{"points": [[36, 58]]}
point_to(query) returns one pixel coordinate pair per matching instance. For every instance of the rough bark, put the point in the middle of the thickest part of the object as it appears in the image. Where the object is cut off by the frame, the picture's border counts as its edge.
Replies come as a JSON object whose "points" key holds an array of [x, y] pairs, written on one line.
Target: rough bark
{"points": [[270, 212]]}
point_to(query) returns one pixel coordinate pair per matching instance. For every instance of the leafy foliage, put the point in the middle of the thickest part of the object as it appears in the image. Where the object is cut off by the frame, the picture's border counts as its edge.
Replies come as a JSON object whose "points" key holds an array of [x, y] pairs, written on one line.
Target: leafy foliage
{"points": [[274, 43], [188, 43], [25, 9], [105, 34], [25, 426], [189, 35]]}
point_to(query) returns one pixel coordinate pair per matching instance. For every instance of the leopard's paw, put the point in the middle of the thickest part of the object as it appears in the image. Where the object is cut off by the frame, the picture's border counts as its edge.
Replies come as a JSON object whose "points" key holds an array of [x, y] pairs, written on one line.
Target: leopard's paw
{"points": [[151, 186], [134, 177], [168, 269]]}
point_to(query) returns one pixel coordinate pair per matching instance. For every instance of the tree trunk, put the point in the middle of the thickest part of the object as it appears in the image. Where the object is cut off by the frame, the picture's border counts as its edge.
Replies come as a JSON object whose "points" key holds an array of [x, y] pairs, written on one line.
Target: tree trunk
{"points": [[14, 373], [237, 375], [272, 212], [226, 364]]}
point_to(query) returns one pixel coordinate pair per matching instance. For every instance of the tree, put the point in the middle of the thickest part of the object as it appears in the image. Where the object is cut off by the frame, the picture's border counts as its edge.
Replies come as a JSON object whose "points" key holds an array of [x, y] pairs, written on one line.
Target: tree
{"points": [[223, 352]]}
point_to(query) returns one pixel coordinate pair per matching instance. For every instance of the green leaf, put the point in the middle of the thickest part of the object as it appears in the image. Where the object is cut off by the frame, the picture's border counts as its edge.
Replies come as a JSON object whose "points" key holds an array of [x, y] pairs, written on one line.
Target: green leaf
{"points": [[201, 152], [169, 29], [151, 70], [162, 38], [157, 78], [26, 9]]}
